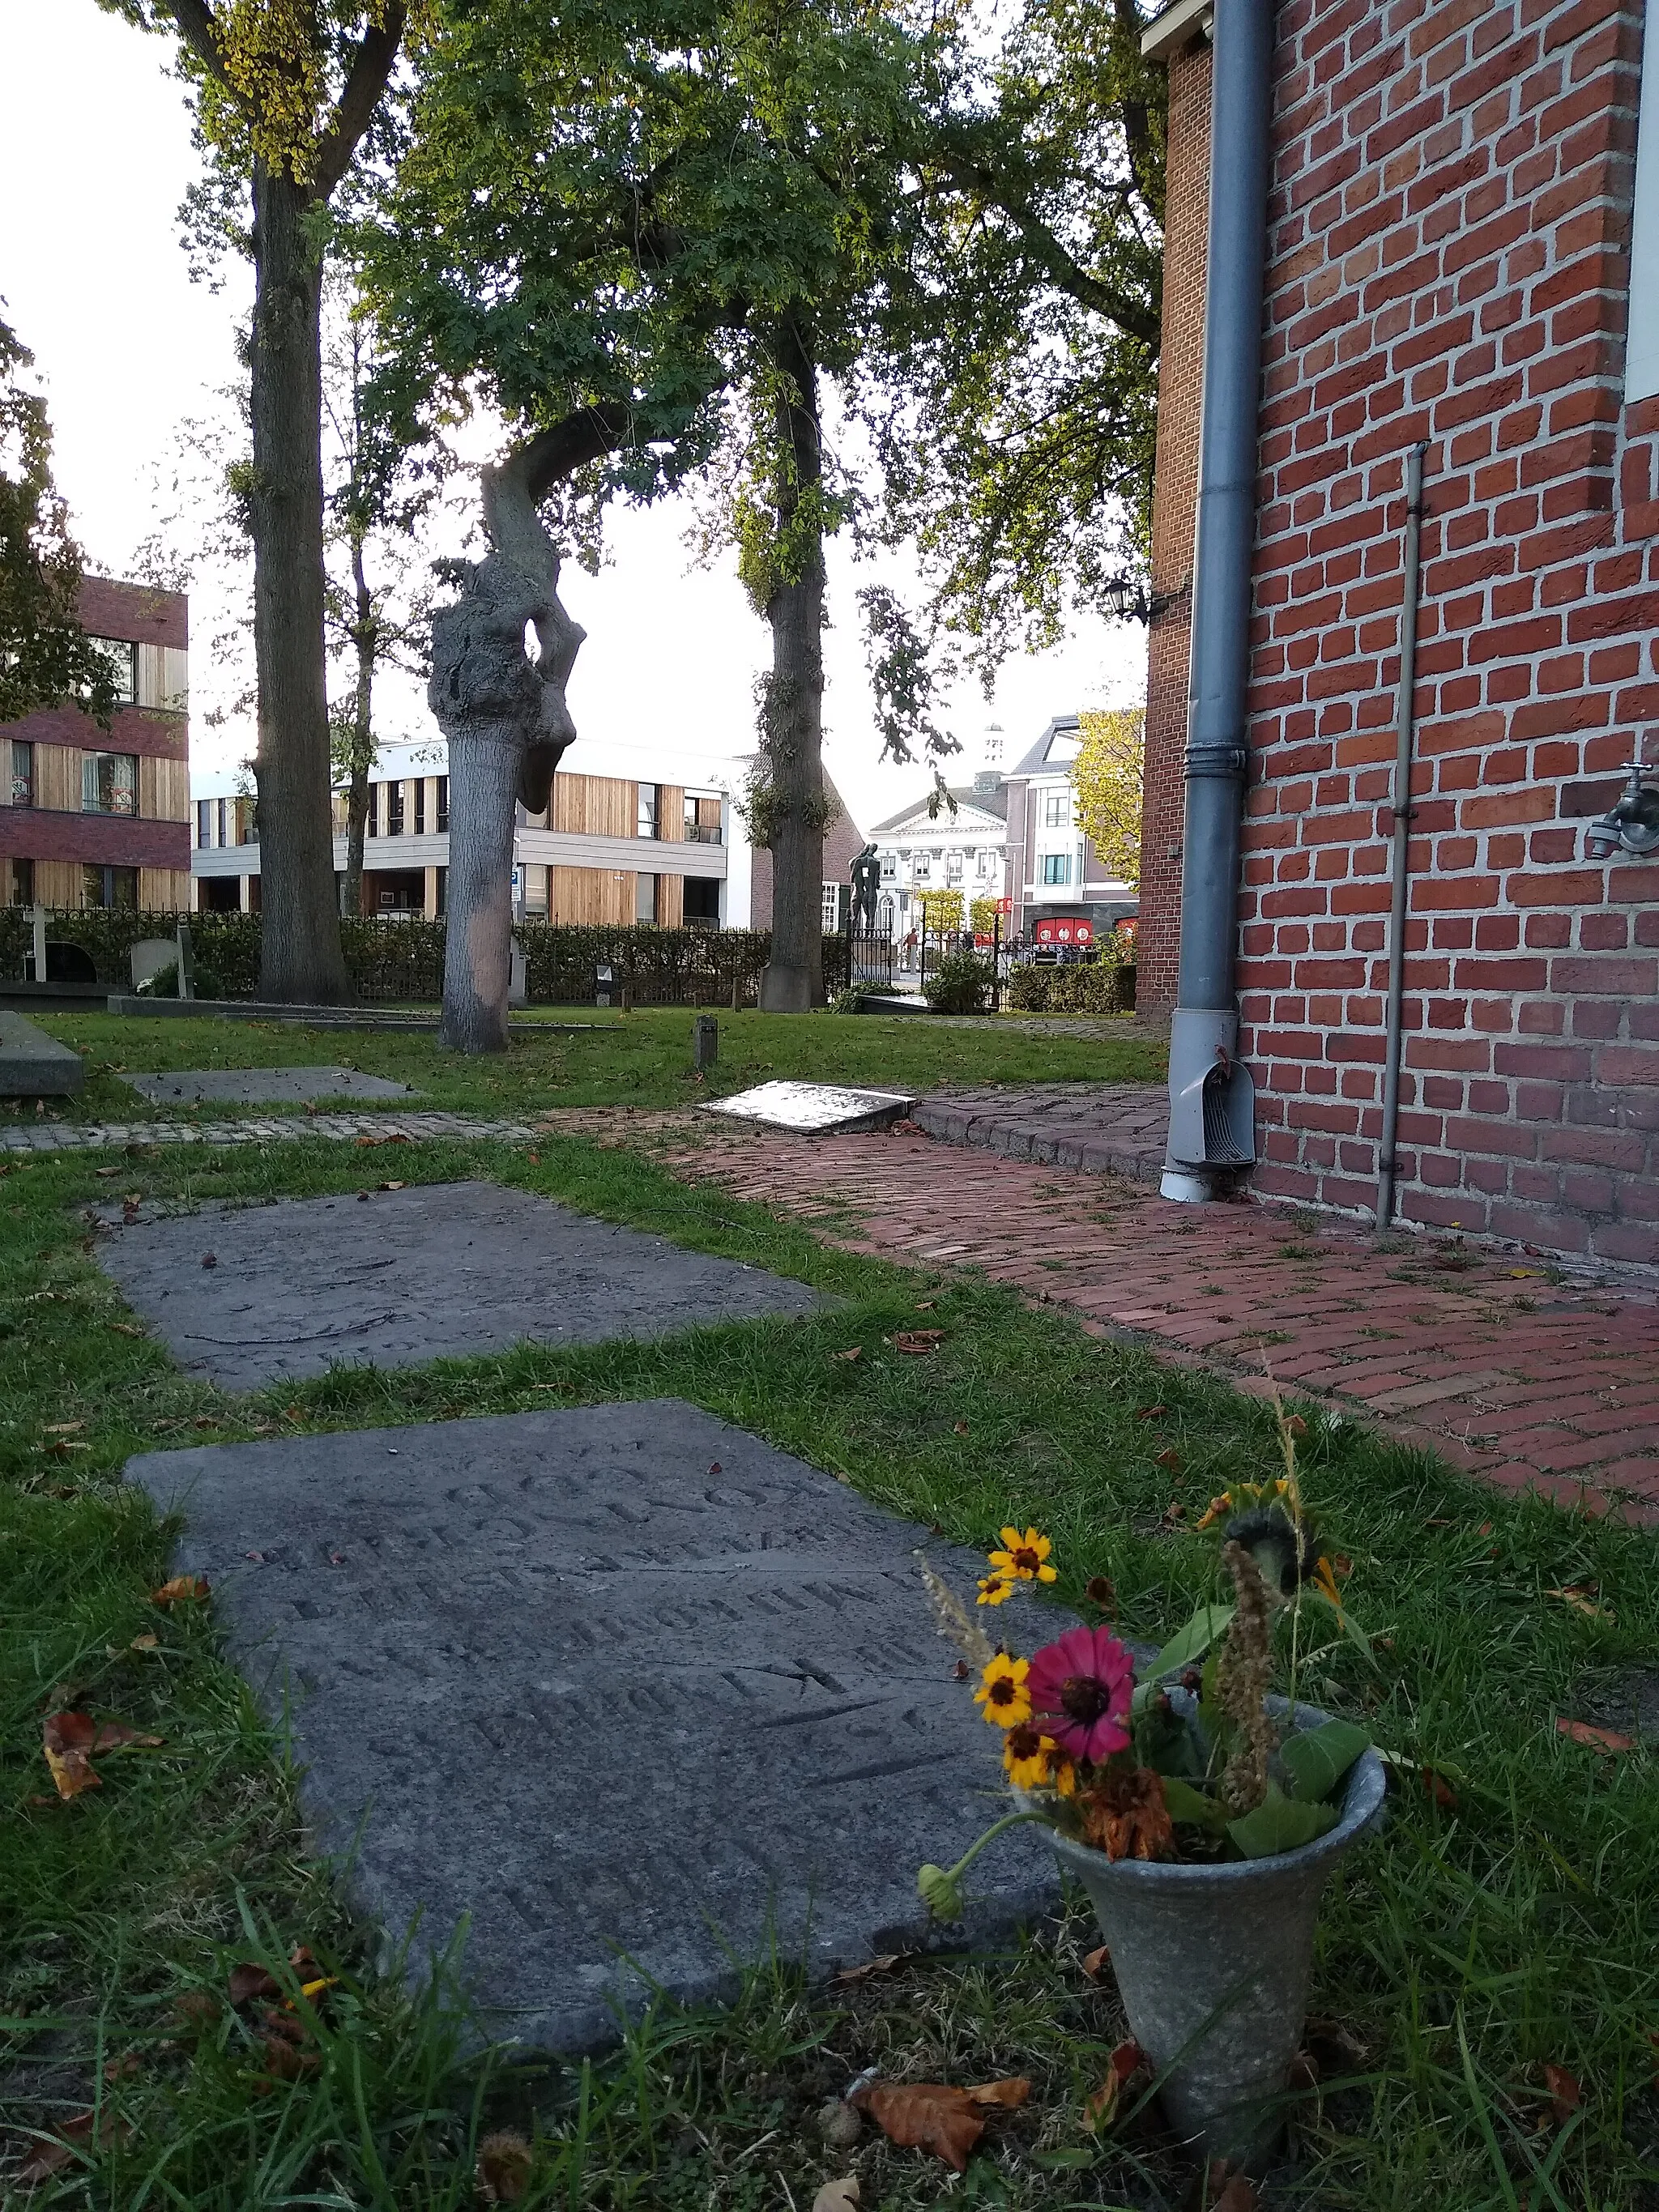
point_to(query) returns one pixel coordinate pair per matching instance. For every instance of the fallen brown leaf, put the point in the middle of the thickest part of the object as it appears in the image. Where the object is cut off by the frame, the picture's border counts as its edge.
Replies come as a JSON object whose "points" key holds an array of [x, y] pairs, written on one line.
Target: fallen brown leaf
{"points": [[394, 1186], [284, 2061], [180, 1588], [1598, 1739], [147, 1642], [1008, 2095], [126, 1328], [67, 1739], [924, 2116], [1565, 2093], [503, 2171], [115, 1735], [52, 2157], [1100, 2110], [122, 2068], [853, 1351], [838, 2196], [917, 1341], [1440, 1789], [1238, 2192], [1582, 1601], [196, 2008], [62, 1428], [884, 1965], [1094, 1963], [959, 1428], [1169, 1460], [249, 1980], [1150, 1412]]}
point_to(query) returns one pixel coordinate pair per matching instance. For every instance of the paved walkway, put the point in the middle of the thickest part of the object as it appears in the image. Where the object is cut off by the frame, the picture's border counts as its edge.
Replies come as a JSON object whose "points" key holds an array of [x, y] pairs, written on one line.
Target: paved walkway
{"points": [[1122, 1128], [49, 1136], [1502, 1366]]}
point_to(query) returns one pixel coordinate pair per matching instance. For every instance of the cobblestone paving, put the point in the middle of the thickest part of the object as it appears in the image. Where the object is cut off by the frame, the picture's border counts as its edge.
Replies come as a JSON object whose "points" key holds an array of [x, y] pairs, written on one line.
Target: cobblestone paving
{"points": [[1121, 1127], [1498, 1363], [46, 1135]]}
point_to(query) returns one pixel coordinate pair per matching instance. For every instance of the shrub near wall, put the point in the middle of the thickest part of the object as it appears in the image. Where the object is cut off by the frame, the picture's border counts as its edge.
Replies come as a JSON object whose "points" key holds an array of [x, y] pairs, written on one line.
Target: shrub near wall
{"points": [[1095, 987], [401, 961]]}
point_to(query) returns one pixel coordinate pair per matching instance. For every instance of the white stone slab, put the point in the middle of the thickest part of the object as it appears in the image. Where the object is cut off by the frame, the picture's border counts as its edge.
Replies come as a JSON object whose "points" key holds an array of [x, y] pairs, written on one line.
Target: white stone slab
{"points": [[813, 1108]]}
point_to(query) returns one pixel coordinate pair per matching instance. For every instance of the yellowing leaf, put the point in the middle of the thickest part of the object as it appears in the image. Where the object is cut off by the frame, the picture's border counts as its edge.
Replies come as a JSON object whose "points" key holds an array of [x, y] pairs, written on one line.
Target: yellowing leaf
{"points": [[181, 1587], [1583, 1602], [67, 1739], [924, 2116]]}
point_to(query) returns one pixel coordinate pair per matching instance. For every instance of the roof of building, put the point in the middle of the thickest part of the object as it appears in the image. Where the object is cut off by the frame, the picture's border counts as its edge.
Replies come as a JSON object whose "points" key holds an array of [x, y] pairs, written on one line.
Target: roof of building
{"points": [[1064, 729], [991, 807]]}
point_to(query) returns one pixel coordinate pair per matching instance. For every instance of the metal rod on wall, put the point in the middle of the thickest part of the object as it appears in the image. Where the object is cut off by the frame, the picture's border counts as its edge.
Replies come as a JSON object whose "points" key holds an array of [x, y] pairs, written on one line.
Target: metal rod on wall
{"points": [[1406, 734]]}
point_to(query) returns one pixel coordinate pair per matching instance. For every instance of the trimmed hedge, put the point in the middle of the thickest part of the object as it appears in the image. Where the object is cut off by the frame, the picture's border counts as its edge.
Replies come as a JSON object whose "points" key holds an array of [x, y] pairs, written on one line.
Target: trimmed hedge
{"points": [[1094, 987], [393, 961]]}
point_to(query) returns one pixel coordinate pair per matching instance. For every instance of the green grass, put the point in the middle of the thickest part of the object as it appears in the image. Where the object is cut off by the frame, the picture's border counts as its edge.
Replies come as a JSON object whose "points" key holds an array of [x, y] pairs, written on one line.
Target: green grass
{"points": [[641, 1059], [1461, 1949]]}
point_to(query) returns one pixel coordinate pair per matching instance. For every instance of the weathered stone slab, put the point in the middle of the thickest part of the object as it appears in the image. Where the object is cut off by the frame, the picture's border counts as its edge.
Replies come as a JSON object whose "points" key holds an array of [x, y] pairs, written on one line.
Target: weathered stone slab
{"points": [[620, 1680], [814, 1108], [34, 1065], [406, 1276], [262, 1086]]}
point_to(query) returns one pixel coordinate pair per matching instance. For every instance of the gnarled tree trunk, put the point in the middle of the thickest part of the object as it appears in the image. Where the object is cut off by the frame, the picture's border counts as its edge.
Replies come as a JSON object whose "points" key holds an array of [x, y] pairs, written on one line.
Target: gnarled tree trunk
{"points": [[300, 959], [507, 723], [793, 979]]}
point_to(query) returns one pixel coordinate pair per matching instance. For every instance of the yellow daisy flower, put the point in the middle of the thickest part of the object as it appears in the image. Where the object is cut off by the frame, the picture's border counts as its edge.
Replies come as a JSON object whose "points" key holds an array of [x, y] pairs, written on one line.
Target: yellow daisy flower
{"points": [[1026, 1755], [1024, 1558], [994, 1589], [1001, 1695]]}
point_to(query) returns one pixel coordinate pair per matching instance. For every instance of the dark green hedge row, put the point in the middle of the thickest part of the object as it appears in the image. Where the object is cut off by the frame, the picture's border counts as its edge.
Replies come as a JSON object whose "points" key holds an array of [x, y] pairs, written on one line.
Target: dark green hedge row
{"points": [[1095, 987], [403, 960]]}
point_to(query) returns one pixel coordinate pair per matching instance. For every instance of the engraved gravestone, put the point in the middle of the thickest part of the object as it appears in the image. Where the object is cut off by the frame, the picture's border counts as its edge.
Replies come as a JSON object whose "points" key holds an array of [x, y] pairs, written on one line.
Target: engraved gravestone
{"points": [[262, 1086], [625, 1687], [404, 1276]]}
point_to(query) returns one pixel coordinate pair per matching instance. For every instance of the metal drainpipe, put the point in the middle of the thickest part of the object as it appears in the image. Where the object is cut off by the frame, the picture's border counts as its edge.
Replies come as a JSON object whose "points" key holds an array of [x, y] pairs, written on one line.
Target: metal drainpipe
{"points": [[1213, 1097], [1405, 731]]}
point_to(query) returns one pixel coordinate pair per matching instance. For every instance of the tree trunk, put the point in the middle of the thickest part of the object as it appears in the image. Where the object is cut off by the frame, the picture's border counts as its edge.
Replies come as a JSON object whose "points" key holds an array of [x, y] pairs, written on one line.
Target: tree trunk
{"points": [[793, 979], [301, 958], [483, 782], [362, 756], [506, 724]]}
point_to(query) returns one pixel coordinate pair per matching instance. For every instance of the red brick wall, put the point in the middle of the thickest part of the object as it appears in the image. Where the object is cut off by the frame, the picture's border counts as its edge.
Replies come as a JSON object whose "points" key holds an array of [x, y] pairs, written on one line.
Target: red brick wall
{"points": [[1186, 219], [1448, 262], [844, 841], [139, 612]]}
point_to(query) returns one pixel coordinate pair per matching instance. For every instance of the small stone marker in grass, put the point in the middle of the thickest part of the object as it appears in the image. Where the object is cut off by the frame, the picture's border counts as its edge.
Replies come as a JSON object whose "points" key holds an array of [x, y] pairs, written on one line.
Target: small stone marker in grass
{"points": [[619, 1682], [262, 1086], [34, 1065], [815, 1108], [415, 1273]]}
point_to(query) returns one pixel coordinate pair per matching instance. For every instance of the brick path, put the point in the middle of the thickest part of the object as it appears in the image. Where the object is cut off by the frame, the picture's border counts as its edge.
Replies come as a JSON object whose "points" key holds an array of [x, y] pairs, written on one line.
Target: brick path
{"points": [[49, 1136], [1525, 1381], [1122, 1127]]}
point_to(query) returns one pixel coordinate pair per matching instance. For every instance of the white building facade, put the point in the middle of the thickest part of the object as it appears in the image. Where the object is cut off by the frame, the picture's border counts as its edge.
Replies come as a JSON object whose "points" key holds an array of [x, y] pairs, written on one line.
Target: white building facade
{"points": [[631, 833], [958, 848]]}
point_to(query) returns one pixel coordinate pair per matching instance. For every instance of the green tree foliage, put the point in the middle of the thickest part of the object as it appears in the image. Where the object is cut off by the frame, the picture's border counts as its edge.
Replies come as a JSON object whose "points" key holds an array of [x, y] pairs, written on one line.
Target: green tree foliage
{"points": [[1018, 428], [1107, 777], [44, 654]]}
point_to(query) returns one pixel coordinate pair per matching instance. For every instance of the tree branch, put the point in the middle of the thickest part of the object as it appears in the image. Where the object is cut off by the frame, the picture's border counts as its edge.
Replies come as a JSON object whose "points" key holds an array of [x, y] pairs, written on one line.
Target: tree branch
{"points": [[201, 34], [366, 80]]}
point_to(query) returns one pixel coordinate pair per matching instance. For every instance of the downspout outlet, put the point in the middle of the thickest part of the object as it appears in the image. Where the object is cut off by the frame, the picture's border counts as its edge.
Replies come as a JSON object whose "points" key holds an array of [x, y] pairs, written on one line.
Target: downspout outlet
{"points": [[1211, 1106]]}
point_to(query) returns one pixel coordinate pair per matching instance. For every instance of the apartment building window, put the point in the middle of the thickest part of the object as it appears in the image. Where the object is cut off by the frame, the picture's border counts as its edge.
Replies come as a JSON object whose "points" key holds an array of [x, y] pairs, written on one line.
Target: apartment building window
{"points": [[443, 804], [953, 868], [830, 909], [1057, 811], [985, 864], [221, 808], [247, 821], [122, 659], [890, 867], [22, 883], [22, 773], [109, 887], [372, 822], [109, 783], [203, 823], [1056, 867], [650, 800], [420, 806], [394, 810], [922, 868]]}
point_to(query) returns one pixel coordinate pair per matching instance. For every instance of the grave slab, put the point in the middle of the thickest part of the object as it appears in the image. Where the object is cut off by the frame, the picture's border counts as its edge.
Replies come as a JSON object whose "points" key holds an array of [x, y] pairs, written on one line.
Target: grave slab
{"points": [[34, 1065], [406, 1276], [620, 1679], [262, 1086], [814, 1108]]}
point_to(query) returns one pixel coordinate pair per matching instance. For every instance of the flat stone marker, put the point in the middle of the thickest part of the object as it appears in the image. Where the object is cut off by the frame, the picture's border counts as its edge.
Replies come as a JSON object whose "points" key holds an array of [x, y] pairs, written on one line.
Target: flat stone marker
{"points": [[35, 1065], [620, 1679], [264, 1086], [410, 1275], [814, 1108]]}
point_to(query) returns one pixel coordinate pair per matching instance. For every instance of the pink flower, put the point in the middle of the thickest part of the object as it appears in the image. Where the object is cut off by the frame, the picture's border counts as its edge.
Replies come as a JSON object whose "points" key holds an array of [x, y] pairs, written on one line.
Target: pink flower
{"points": [[1080, 1689]]}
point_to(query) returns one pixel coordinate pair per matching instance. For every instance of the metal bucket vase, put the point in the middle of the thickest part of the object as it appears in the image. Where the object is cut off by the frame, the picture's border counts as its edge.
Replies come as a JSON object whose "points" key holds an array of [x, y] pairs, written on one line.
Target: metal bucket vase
{"points": [[1213, 1963]]}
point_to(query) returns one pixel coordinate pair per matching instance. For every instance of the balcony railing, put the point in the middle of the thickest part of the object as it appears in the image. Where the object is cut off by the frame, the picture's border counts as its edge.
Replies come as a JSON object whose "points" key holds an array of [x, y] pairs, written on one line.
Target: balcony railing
{"points": [[702, 833]]}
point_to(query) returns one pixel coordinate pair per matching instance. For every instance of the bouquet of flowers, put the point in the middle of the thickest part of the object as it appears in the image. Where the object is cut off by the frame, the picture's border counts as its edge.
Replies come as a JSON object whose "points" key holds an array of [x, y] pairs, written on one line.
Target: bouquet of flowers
{"points": [[1188, 1756]]}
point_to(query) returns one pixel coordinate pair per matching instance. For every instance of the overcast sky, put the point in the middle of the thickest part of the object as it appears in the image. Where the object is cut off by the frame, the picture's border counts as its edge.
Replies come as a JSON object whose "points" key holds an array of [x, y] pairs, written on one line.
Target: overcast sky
{"points": [[94, 161]]}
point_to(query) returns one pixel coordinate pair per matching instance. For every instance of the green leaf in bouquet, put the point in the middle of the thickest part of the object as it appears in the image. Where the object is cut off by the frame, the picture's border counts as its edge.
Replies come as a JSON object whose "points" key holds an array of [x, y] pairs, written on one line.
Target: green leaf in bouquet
{"points": [[1191, 1643], [1191, 1806], [1281, 1824], [1317, 1758]]}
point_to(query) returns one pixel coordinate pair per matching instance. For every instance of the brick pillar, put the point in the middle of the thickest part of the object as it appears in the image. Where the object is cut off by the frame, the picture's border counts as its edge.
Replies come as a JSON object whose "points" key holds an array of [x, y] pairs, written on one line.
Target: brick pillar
{"points": [[1180, 383]]}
